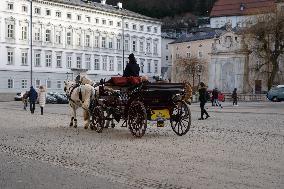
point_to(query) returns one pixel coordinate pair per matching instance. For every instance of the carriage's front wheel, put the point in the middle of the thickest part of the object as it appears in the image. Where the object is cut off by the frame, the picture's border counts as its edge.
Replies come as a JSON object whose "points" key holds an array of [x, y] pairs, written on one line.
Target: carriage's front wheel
{"points": [[181, 118], [98, 120], [137, 119]]}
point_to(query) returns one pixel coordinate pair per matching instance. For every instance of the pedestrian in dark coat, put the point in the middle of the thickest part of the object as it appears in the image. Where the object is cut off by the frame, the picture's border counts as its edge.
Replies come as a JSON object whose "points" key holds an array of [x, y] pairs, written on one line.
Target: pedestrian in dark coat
{"points": [[215, 96], [32, 98], [132, 68], [203, 99], [235, 97]]}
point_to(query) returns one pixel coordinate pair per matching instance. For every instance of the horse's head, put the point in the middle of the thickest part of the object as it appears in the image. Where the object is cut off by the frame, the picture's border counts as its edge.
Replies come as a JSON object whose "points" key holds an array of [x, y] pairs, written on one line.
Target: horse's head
{"points": [[68, 85]]}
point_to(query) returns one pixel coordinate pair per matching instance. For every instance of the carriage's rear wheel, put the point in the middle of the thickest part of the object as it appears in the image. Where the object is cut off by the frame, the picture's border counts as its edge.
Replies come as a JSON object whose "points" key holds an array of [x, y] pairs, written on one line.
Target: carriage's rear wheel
{"points": [[137, 118], [181, 118], [98, 120]]}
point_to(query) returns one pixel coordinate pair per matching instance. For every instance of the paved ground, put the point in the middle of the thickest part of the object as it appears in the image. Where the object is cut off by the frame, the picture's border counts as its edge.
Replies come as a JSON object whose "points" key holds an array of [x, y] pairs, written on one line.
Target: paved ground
{"points": [[237, 147]]}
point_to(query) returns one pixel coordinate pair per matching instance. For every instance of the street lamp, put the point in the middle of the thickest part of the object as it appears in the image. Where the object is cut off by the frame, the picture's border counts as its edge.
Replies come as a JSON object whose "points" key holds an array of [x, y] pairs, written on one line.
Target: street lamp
{"points": [[31, 39]]}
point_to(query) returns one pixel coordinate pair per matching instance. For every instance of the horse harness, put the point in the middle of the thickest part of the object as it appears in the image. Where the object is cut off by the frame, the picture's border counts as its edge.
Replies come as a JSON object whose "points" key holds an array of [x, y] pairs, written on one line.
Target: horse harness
{"points": [[72, 89]]}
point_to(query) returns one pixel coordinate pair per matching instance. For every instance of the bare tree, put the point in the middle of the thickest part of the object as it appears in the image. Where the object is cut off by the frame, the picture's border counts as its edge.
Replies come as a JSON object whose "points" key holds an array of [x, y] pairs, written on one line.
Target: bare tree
{"points": [[190, 70], [265, 39]]}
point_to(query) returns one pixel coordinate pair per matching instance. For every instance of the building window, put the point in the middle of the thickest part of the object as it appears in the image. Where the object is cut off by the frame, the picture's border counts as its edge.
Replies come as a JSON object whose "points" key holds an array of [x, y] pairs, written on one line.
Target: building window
{"points": [[37, 83], [167, 46], [69, 16], [88, 19], [37, 34], [110, 23], [58, 61], [141, 46], [58, 37], [141, 28], [167, 57], [103, 42], [118, 24], [79, 62], [148, 28], [148, 47], [97, 21], [48, 35], [87, 40], [96, 64], [48, 60], [48, 12], [126, 44], [24, 58], [10, 6], [10, 83], [105, 63], [104, 22], [37, 11], [142, 65], [24, 32], [149, 65], [133, 46], [126, 25], [37, 59], [155, 30], [69, 38], [155, 48], [134, 27], [69, 61], [110, 43], [24, 83], [88, 62], [96, 43], [48, 84], [59, 84], [78, 39], [10, 56], [24, 8], [111, 64], [156, 66], [10, 33], [79, 17], [58, 14], [188, 55], [119, 65], [118, 45]]}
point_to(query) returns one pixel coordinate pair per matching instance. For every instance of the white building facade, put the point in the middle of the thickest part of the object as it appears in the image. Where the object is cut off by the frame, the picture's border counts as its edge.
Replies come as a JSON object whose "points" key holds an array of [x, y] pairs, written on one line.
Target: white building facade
{"points": [[72, 35]]}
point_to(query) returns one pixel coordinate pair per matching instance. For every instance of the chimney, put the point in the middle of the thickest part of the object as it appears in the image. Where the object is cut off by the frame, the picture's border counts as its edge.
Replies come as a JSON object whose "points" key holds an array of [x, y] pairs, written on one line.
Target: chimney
{"points": [[103, 2], [119, 5]]}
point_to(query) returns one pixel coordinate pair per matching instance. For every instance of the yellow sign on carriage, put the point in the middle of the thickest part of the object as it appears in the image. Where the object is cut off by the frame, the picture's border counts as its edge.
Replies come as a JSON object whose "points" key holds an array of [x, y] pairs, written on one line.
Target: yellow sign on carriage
{"points": [[160, 114]]}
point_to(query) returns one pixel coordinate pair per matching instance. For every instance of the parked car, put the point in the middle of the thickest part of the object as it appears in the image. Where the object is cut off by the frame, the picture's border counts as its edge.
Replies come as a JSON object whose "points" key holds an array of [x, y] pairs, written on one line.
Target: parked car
{"points": [[19, 96], [50, 99], [276, 94], [61, 98], [221, 96]]}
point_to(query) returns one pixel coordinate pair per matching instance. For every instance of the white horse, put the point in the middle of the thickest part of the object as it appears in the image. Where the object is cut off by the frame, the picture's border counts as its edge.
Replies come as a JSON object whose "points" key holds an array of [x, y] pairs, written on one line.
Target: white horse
{"points": [[79, 96]]}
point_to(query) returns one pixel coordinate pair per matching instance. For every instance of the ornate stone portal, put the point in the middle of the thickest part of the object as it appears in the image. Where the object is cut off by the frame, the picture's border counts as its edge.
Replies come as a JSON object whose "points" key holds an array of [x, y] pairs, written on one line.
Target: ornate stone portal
{"points": [[228, 63]]}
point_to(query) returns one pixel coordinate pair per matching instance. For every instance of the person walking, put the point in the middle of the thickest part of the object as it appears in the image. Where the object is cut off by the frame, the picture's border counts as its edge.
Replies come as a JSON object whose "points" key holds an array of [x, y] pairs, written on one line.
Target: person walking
{"points": [[33, 98], [203, 99], [215, 95], [132, 68], [25, 99], [235, 97], [41, 98]]}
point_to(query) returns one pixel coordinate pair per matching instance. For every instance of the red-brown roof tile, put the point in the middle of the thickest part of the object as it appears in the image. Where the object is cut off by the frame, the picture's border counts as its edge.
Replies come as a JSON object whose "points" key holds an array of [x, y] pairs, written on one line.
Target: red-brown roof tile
{"points": [[233, 7]]}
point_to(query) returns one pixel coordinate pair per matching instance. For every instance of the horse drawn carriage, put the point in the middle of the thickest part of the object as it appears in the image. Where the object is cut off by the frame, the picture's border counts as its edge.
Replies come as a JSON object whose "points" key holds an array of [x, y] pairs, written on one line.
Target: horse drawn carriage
{"points": [[137, 102]]}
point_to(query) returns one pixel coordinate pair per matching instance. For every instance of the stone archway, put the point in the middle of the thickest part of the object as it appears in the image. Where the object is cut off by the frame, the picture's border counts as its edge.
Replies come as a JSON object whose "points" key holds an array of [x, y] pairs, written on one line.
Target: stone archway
{"points": [[228, 77]]}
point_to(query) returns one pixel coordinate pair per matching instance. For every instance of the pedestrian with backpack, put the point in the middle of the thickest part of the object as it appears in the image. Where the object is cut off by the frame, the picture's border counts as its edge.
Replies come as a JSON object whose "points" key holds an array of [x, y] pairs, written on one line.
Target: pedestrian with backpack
{"points": [[203, 95]]}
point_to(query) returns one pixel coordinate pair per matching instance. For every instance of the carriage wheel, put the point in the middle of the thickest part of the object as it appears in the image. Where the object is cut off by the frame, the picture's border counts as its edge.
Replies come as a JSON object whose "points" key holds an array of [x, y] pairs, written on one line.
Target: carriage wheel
{"points": [[98, 120], [137, 119], [181, 118]]}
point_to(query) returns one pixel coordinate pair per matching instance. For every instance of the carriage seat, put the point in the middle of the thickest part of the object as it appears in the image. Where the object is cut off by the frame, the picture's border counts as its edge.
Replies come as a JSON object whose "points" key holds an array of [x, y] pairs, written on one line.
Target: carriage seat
{"points": [[125, 81]]}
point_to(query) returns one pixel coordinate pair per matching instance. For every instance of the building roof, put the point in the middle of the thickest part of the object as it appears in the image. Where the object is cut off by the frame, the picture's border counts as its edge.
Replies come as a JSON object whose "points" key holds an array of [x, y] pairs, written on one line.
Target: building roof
{"points": [[201, 35], [104, 7], [241, 7]]}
